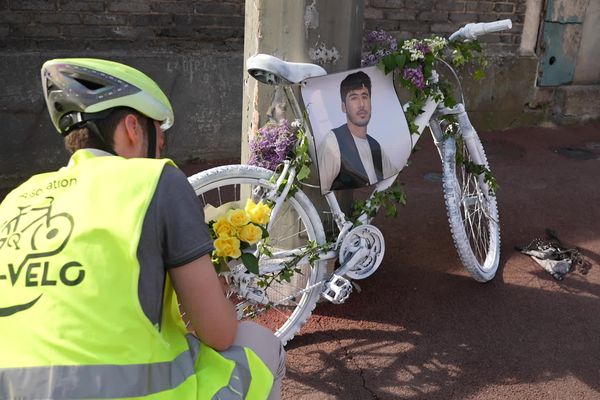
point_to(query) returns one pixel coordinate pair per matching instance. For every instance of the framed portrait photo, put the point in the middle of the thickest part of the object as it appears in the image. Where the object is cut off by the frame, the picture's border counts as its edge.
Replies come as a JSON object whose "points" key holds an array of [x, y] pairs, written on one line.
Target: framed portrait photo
{"points": [[359, 128]]}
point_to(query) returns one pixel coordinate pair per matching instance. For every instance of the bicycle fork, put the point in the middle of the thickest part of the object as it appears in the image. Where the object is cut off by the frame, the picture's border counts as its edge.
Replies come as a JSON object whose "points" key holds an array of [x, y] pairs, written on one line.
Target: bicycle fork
{"points": [[467, 133]]}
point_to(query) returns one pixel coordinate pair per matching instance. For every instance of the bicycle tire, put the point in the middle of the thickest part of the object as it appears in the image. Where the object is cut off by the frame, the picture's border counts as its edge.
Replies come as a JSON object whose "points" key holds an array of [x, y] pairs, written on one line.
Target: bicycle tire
{"points": [[472, 214], [221, 185]]}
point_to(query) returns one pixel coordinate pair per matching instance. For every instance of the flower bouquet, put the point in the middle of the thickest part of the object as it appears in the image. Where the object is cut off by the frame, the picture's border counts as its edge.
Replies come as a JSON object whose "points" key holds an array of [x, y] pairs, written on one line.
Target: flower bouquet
{"points": [[272, 144], [236, 231]]}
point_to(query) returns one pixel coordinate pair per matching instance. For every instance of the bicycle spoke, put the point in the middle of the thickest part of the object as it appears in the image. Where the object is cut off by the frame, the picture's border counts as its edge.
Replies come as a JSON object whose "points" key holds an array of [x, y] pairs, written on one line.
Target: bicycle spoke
{"points": [[287, 304], [475, 214], [295, 234]]}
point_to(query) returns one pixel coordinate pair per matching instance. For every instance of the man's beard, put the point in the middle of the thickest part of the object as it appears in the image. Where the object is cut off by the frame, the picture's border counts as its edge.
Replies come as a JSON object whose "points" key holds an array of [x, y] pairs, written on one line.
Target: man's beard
{"points": [[360, 122]]}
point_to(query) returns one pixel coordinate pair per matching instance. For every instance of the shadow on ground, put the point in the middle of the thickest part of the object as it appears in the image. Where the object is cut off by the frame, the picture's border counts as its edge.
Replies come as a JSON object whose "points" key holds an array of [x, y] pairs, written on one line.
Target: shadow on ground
{"points": [[423, 329]]}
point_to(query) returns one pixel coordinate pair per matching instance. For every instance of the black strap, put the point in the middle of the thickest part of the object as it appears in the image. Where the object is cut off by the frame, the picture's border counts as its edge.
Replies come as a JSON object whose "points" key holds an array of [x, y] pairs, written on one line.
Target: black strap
{"points": [[91, 125], [151, 137]]}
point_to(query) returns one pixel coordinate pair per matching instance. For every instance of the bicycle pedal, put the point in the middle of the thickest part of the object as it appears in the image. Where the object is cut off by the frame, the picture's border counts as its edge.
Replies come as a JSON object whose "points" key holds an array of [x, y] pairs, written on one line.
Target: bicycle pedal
{"points": [[337, 289]]}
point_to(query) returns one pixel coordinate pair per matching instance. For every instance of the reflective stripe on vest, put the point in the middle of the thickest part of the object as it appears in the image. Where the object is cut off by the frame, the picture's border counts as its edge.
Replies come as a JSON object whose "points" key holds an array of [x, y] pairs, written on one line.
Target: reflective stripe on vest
{"points": [[72, 325], [249, 377], [239, 382], [120, 381], [97, 381]]}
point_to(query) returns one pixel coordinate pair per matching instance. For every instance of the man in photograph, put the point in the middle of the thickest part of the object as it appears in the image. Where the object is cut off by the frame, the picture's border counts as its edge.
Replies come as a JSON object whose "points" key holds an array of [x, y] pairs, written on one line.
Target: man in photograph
{"points": [[348, 156]]}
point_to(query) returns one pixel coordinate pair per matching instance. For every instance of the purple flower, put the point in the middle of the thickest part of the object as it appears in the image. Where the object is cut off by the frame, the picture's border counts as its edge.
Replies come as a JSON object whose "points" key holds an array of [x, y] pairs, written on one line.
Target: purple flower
{"points": [[272, 144], [380, 45], [415, 76], [422, 47]]}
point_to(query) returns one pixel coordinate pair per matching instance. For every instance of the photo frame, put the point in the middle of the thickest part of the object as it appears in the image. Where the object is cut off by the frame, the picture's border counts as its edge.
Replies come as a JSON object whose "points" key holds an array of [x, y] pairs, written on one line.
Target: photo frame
{"points": [[359, 141]]}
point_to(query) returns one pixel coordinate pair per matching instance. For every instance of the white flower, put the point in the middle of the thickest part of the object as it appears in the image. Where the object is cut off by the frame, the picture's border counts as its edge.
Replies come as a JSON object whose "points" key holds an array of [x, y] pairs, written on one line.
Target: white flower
{"points": [[436, 43], [410, 46]]}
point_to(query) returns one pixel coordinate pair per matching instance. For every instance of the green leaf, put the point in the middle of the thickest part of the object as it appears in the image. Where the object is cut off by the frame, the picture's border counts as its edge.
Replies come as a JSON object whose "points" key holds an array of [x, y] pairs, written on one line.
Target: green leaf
{"points": [[391, 210], [427, 70], [223, 266], [250, 262], [389, 63], [265, 232], [400, 60], [303, 173]]}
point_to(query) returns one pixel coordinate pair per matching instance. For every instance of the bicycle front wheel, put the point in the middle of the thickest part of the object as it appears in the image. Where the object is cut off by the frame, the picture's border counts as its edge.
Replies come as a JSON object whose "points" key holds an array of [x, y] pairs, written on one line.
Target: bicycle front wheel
{"points": [[472, 208], [290, 303]]}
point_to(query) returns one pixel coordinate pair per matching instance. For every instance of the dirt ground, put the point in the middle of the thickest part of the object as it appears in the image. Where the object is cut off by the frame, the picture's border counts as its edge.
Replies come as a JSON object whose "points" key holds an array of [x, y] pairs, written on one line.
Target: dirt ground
{"points": [[423, 329]]}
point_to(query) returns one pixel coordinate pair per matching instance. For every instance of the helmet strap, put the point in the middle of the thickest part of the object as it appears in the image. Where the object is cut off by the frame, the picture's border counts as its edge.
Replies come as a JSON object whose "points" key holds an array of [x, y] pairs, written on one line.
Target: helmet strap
{"points": [[77, 120], [151, 137], [92, 127]]}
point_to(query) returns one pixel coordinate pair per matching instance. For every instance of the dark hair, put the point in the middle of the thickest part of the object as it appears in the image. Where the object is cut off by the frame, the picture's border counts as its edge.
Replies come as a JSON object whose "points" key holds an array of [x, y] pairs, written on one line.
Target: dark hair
{"points": [[354, 81], [84, 137]]}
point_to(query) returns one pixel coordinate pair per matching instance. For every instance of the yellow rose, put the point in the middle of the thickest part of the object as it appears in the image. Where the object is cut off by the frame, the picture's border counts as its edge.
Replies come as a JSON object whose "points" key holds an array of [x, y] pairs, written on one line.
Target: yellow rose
{"points": [[237, 217], [250, 233], [228, 247], [258, 213], [223, 228], [250, 204]]}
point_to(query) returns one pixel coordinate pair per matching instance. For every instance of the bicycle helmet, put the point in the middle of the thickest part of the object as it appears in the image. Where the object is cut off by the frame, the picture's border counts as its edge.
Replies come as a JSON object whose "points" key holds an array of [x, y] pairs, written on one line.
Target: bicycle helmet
{"points": [[79, 90]]}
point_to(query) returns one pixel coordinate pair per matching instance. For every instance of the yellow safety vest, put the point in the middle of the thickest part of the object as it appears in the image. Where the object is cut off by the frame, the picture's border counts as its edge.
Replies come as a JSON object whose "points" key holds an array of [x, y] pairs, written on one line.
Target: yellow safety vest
{"points": [[71, 324]]}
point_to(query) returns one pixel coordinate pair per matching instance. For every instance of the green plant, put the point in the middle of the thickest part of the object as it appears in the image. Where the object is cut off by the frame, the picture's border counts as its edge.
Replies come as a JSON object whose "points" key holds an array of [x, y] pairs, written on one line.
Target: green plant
{"points": [[413, 62]]}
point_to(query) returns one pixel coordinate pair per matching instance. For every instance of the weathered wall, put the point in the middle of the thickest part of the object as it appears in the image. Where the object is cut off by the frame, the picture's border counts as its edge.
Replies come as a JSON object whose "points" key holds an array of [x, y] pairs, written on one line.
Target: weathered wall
{"points": [[193, 49], [500, 100], [422, 18]]}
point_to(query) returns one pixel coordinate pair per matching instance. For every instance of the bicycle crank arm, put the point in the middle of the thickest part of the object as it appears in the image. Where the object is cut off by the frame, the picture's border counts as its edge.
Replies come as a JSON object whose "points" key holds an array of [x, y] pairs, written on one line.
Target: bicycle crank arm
{"points": [[348, 265]]}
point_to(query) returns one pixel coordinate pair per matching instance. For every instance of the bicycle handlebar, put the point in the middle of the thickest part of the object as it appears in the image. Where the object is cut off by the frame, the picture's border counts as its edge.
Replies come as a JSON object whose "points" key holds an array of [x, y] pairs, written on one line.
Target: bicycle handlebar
{"points": [[473, 30]]}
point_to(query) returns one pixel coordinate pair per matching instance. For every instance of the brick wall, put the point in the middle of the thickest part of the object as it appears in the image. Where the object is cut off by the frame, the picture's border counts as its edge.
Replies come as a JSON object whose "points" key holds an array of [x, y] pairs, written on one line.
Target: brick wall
{"points": [[190, 25], [192, 48], [421, 18], [106, 24]]}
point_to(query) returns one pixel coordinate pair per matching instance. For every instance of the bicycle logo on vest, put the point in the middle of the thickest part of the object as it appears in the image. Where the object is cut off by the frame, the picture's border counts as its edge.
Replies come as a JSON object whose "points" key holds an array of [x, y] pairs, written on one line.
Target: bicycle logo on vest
{"points": [[39, 233]]}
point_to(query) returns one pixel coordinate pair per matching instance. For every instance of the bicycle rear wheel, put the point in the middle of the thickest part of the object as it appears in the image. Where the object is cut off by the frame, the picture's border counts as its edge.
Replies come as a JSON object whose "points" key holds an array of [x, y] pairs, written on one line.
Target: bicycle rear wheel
{"points": [[289, 303], [472, 209]]}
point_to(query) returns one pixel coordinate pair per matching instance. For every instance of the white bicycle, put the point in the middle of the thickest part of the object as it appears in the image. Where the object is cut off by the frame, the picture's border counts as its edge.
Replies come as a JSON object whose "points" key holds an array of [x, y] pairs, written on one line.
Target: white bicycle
{"points": [[284, 305]]}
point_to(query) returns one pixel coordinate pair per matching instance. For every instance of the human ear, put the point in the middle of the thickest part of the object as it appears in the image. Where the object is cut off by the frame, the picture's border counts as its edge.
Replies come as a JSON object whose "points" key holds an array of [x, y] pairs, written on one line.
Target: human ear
{"points": [[133, 129]]}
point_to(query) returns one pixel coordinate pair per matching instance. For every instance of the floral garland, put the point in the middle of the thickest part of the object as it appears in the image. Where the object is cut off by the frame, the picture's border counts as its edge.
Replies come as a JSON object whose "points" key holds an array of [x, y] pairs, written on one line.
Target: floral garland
{"points": [[238, 229], [414, 61]]}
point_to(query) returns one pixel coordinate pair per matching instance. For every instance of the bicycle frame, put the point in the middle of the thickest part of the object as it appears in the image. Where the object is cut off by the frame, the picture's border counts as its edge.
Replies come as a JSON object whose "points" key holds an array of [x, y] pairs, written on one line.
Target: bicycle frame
{"points": [[359, 246], [430, 117]]}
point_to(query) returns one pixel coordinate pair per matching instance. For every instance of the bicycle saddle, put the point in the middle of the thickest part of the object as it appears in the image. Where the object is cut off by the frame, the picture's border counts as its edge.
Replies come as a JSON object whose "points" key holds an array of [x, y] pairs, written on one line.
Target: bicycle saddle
{"points": [[274, 71]]}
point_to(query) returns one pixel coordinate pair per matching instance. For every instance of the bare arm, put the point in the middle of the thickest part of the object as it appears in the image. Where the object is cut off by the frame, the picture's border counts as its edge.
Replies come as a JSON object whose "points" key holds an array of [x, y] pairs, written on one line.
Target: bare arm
{"points": [[201, 295]]}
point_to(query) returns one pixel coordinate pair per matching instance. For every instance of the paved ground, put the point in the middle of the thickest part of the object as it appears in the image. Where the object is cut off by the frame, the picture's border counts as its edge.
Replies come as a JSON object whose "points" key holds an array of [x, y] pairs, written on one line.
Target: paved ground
{"points": [[422, 329]]}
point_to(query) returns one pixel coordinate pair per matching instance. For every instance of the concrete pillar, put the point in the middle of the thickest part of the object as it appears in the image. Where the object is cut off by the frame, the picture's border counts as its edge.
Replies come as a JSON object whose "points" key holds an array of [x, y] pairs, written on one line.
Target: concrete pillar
{"points": [[533, 18], [294, 31]]}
